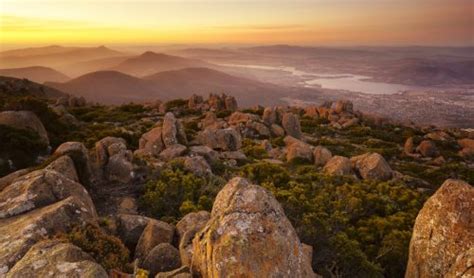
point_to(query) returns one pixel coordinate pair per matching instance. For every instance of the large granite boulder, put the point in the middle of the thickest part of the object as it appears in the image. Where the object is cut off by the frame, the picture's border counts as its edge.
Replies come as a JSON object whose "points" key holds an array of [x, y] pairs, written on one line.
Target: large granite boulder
{"points": [[372, 166], [442, 243], [427, 148], [53, 258], [270, 116], [467, 146], [172, 131], [197, 165], [24, 120], [187, 228], [113, 161], [291, 125], [298, 150], [248, 235], [130, 228], [37, 205]]}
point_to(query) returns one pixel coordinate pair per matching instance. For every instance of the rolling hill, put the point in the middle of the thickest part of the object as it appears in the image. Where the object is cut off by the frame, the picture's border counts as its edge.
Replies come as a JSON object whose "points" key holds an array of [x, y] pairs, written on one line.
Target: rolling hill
{"points": [[37, 74], [112, 87], [151, 62]]}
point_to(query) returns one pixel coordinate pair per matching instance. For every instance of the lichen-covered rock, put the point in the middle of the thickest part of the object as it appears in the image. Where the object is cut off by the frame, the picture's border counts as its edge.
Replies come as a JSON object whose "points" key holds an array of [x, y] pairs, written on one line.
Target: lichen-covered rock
{"points": [[339, 166], [24, 120], [155, 232], [79, 154], [215, 102], [311, 111], [163, 257], [113, 162], [182, 272], [187, 228], [298, 150], [442, 243], [277, 130], [169, 130], [240, 117], [467, 146], [248, 235], [427, 148], [197, 165], [372, 166], [269, 116], [209, 154], [53, 258], [65, 166], [291, 125], [227, 139], [172, 152], [37, 205], [321, 155], [130, 227], [151, 143]]}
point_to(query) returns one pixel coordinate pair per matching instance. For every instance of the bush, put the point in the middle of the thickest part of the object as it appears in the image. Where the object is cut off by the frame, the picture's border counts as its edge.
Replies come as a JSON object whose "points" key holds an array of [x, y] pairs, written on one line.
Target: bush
{"points": [[21, 146], [107, 250], [177, 192], [263, 172]]}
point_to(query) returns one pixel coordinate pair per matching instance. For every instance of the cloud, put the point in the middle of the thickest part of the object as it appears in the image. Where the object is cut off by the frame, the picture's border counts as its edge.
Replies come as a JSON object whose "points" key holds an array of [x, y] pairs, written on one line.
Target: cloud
{"points": [[262, 27]]}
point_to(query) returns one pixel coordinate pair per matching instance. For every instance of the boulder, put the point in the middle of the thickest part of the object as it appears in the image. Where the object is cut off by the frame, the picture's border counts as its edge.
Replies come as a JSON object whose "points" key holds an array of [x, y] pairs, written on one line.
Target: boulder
{"points": [[79, 154], [298, 150], [291, 125], [438, 136], [210, 120], [216, 103], [53, 258], [443, 239], [37, 205], [257, 130], [372, 166], [248, 235], [65, 166], [277, 130], [338, 165], [130, 228], [163, 257], [151, 143], [24, 120], [197, 165], [409, 146], [342, 106], [113, 161], [311, 111], [195, 102], [427, 148], [230, 103], [187, 228], [227, 139], [172, 152], [240, 117], [269, 116], [209, 154], [155, 232], [321, 155], [169, 130], [467, 146]]}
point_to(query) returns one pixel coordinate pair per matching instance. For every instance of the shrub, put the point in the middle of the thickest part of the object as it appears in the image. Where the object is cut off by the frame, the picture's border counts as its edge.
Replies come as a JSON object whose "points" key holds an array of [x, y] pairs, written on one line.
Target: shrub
{"points": [[177, 192], [263, 172], [107, 250]]}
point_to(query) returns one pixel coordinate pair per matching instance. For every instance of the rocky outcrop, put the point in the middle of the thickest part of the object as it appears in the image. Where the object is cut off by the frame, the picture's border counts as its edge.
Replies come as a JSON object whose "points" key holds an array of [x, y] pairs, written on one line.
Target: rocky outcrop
{"points": [[372, 166], [155, 232], [24, 120], [239, 117], [221, 139], [163, 257], [321, 156], [53, 258], [38, 205], [195, 102], [291, 125], [230, 103], [182, 272], [173, 131], [338, 165], [248, 235], [113, 161], [467, 146], [342, 106], [172, 152], [409, 146], [269, 116], [443, 239]]}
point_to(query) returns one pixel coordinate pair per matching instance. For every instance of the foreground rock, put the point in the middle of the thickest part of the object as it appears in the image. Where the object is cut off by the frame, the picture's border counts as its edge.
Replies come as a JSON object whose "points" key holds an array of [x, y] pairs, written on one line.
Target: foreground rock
{"points": [[372, 166], [24, 120], [52, 258], [37, 205], [79, 154], [443, 238], [248, 235], [155, 232], [163, 257]]}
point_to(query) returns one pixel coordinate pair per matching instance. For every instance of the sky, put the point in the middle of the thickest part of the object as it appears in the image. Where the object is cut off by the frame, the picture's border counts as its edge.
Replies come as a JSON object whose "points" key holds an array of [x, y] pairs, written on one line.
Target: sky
{"points": [[303, 22]]}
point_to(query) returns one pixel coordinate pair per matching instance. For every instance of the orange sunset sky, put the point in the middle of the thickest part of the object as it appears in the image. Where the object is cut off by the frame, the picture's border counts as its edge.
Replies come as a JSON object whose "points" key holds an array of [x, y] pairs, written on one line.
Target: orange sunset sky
{"points": [[315, 22]]}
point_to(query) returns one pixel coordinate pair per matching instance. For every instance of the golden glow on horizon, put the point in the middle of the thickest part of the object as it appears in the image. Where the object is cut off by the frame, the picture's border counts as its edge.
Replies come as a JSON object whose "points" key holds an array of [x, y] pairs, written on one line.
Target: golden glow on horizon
{"points": [[264, 21]]}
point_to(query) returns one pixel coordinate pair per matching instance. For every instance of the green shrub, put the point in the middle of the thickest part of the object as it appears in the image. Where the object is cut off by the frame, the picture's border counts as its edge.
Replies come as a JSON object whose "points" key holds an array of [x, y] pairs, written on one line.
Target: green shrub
{"points": [[223, 113], [177, 192], [107, 250], [263, 172]]}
